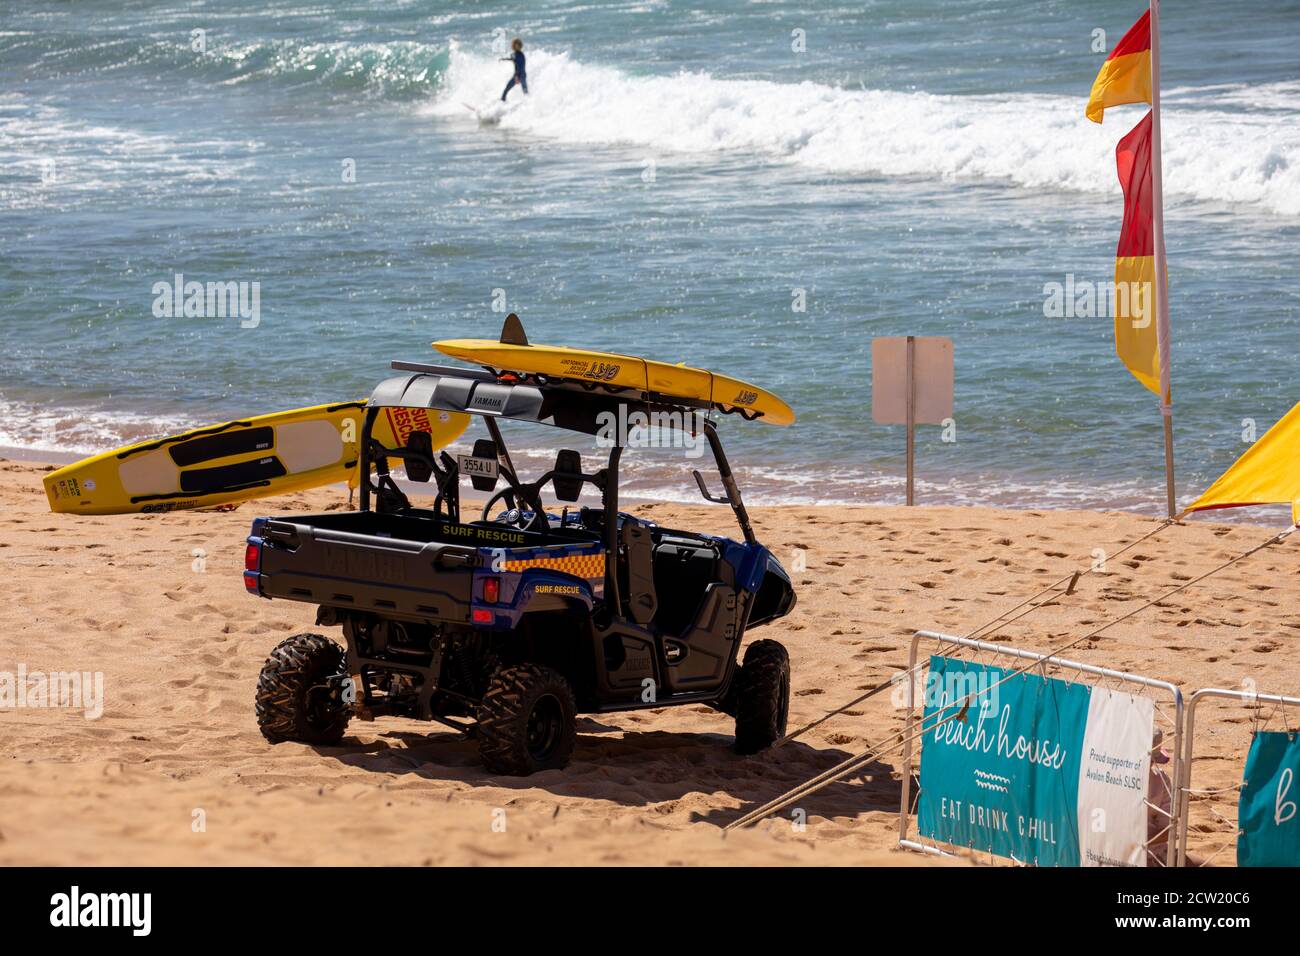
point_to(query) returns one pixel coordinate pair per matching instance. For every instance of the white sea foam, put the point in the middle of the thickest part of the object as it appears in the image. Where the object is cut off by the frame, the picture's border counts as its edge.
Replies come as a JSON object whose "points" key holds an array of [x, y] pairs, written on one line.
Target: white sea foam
{"points": [[1247, 154], [81, 431], [48, 153], [663, 477], [61, 435]]}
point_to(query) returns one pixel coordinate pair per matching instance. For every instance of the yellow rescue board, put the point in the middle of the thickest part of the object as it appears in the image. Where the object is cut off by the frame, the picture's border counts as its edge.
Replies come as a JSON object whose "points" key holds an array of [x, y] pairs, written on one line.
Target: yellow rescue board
{"points": [[238, 461], [627, 371]]}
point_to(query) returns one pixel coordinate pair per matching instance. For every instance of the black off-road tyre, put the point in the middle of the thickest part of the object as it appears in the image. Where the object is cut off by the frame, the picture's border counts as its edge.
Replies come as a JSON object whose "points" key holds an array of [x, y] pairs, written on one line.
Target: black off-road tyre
{"points": [[761, 697], [292, 702], [527, 721]]}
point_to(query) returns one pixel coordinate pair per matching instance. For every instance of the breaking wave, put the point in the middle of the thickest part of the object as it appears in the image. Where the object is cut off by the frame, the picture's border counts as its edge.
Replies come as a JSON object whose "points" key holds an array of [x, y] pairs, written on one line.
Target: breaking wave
{"points": [[1249, 153]]}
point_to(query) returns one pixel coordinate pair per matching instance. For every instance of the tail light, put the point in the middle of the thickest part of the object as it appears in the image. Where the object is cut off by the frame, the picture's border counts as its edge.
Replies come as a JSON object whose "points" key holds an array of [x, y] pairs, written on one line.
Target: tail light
{"points": [[491, 590], [253, 559]]}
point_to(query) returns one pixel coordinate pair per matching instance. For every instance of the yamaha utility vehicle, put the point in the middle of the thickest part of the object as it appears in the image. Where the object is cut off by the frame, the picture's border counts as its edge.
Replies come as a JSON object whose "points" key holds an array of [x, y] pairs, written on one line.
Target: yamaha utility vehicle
{"points": [[506, 623]]}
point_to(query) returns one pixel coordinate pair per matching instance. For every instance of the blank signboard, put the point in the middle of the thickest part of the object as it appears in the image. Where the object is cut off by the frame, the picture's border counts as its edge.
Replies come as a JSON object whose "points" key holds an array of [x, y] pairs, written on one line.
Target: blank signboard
{"points": [[932, 379]]}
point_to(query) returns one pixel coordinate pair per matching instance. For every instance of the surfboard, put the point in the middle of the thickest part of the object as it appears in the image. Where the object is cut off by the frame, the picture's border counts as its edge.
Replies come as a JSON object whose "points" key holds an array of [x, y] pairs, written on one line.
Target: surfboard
{"points": [[239, 460], [489, 115], [611, 369]]}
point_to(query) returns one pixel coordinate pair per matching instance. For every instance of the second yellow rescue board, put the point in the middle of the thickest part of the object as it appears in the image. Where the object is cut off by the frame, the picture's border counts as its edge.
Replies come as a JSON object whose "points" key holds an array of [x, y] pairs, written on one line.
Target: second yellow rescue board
{"points": [[238, 461], [626, 371]]}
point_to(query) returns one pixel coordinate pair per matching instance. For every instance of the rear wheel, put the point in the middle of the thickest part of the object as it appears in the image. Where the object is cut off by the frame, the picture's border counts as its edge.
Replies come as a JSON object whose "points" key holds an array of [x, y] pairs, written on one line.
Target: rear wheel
{"points": [[527, 721], [298, 691], [761, 697]]}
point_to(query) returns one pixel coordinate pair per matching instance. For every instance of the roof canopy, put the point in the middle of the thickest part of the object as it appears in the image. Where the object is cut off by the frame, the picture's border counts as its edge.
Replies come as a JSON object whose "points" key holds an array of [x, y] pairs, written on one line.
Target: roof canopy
{"points": [[480, 393], [1267, 474]]}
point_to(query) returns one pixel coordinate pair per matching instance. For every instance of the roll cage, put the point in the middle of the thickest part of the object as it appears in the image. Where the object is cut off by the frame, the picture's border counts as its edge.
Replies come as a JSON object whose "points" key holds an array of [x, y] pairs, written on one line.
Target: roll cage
{"points": [[574, 406]]}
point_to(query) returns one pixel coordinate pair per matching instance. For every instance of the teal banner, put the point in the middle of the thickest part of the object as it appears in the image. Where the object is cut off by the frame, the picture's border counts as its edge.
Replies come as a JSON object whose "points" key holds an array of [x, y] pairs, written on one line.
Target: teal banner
{"points": [[1268, 829], [1039, 770], [1003, 777]]}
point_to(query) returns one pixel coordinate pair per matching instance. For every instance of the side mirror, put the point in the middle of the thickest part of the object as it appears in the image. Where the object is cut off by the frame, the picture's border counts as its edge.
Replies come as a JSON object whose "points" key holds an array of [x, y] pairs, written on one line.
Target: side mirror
{"points": [[482, 465], [699, 480], [567, 477]]}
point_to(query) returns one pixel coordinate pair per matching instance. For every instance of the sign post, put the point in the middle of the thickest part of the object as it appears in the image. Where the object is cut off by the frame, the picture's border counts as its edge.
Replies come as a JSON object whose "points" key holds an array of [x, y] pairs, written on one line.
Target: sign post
{"points": [[911, 420], [911, 384]]}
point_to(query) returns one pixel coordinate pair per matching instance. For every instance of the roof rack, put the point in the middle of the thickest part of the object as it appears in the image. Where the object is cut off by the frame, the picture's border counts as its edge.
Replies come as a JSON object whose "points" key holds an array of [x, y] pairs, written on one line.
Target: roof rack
{"points": [[476, 392], [458, 370]]}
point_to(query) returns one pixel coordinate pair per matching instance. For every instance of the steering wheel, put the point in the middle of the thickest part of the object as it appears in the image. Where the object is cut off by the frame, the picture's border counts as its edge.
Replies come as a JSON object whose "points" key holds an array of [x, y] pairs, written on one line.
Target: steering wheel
{"points": [[516, 496]]}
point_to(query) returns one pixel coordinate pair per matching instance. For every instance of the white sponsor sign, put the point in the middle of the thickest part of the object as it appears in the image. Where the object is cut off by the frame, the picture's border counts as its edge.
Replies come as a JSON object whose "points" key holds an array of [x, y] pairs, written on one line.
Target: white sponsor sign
{"points": [[1114, 776]]}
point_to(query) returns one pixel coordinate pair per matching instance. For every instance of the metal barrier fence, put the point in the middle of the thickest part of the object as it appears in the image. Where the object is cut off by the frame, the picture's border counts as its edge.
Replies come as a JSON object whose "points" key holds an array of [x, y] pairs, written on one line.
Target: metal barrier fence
{"points": [[1162, 805], [1216, 823]]}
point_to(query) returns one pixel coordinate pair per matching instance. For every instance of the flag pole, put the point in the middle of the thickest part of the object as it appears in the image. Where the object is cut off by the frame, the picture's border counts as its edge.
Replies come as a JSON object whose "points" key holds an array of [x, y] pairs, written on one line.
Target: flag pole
{"points": [[1162, 277]]}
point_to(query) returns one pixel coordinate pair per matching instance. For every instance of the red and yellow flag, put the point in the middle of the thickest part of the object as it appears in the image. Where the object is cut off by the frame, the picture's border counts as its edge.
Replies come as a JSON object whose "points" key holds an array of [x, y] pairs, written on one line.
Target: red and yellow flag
{"points": [[1135, 325], [1125, 77]]}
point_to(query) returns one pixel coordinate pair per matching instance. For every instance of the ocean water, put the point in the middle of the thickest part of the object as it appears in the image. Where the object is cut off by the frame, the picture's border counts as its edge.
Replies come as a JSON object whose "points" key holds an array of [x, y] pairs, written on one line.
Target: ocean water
{"points": [[676, 174]]}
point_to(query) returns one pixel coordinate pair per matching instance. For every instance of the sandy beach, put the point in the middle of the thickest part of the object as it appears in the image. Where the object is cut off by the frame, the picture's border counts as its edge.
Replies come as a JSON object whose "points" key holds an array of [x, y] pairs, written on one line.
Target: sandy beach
{"points": [[156, 604]]}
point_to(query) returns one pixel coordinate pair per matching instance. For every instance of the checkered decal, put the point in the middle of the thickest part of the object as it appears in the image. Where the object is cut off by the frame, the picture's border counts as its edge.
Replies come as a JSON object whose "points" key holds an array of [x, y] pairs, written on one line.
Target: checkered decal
{"points": [[583, 565]]}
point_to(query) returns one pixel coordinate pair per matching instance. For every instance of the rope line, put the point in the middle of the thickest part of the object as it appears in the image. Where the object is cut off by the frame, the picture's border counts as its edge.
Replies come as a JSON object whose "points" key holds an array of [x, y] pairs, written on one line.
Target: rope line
{"points": [[846, 767], [1073, 575], [916, 668], [1207, 793]]}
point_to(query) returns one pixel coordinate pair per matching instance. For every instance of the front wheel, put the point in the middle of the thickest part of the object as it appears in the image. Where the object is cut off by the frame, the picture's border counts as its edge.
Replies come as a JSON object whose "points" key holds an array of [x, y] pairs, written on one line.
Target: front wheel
{"points": [[761, 697], [297, 692], [527, 721]]}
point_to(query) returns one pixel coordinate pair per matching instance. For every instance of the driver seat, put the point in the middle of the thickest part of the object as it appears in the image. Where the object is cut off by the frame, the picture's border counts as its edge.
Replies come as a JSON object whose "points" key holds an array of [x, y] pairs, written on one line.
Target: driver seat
{"points": [[636, 561], [638, 548]]}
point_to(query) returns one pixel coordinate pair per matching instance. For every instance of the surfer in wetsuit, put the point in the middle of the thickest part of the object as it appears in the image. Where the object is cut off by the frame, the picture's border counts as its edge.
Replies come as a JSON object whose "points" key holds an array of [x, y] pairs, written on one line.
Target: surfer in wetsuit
{"points": [[517, 58]]}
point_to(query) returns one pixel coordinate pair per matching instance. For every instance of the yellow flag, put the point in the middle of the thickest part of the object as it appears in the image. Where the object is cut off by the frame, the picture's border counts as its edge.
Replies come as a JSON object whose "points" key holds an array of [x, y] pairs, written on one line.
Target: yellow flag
{"points": [[1267, 474]]}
